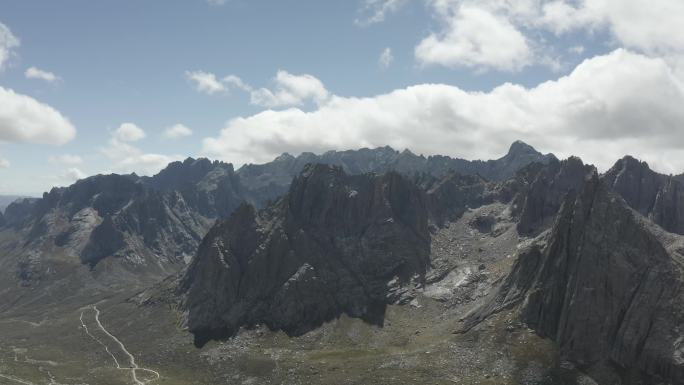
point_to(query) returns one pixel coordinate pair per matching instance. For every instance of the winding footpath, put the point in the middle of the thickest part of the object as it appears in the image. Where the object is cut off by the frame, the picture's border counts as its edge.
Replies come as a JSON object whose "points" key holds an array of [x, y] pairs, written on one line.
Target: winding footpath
{"points": [[17, 380], [132, 366]]}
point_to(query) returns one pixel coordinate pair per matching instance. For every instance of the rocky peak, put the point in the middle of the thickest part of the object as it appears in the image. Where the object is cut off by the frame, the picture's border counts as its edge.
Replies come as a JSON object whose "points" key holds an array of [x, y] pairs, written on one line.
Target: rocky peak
{"points": [[656, 196], [521, 148], [603, 287], [544, 190], [180, 175], [330, 246]]}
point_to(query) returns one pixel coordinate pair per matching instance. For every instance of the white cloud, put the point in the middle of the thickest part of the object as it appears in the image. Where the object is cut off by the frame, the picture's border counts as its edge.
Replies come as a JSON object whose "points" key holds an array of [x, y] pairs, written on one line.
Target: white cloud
{"points": [[24, 119], [73, 174], [36, 73], [177, 131], [4, 163], [217, 2], [375, 11], [235, 81], [7, 44], [205, 82], [127, 158], [67, 159], [609, 105], [475, 37], [291, 90], [488, 34], [129, 132], [386, 58], [67, 177], [654, 26]]}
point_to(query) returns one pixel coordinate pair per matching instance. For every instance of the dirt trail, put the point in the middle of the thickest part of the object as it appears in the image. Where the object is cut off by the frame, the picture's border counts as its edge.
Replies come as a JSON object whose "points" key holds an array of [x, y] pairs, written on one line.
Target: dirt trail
{"points": [[115, 348]]}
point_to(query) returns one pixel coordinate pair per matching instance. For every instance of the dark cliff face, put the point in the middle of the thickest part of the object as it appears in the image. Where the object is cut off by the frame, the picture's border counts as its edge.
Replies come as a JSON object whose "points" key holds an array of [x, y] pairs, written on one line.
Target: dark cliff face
{"points": [[452, 195], [656, 196], [543, 190], [603, 287], [331, 245]]}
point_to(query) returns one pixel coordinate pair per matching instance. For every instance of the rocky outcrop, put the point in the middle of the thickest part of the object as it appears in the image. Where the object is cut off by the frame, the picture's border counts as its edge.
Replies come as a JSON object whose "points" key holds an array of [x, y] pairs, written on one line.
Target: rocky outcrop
{"points": [[19, 212], [656, 196], [213, 189], [543, 189], [154, 221], [452, 195], [602, 286], [333, 244]]}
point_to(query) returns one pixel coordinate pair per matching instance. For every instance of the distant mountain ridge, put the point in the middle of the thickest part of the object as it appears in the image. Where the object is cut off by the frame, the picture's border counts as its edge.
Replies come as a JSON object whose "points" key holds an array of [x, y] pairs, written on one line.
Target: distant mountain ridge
{"points": [[6, 200], [270, 180]]}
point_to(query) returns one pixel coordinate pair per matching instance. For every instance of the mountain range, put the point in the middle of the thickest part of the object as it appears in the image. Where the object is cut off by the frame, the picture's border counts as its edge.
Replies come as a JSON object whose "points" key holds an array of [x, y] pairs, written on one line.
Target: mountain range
{"points": [[525, 269]]}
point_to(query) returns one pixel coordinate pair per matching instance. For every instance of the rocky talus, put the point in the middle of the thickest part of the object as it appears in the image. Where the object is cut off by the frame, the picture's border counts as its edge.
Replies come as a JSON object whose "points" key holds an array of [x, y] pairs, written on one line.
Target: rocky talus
{"points": [[602, 286], [333, 244]]}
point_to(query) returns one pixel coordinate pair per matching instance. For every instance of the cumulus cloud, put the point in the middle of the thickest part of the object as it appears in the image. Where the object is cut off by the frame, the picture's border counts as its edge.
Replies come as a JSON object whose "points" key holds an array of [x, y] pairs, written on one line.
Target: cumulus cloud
{"points": [[619, 103], [66, 159], [650, 26], [386, 58], [488, 34], [237, 82], [4, 163], [291, 90], [67, 177], [23, 119], [36, 73], [205, 82], [129, 132], [375, 11], [72, 174], [177, 131], [7, 44], [127, 158], [477, 38]]}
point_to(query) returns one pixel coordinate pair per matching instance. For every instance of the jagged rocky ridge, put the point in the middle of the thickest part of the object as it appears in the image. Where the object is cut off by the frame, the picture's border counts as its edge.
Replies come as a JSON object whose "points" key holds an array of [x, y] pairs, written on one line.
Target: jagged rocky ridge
{"points": [[270, 180], [598, 280], [332, 237], [656, 196], [333, 244], [160, 220], [602, 286]]}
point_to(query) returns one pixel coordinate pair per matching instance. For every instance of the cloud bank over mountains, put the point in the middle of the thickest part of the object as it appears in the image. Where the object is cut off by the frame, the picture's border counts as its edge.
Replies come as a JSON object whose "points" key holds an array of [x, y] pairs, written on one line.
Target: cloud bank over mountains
{"points": [[619, 103]]}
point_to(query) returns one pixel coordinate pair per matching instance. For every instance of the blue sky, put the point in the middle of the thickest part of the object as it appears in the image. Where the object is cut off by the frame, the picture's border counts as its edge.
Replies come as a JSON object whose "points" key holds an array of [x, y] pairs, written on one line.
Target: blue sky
{"points": [[450, 83]]}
